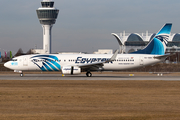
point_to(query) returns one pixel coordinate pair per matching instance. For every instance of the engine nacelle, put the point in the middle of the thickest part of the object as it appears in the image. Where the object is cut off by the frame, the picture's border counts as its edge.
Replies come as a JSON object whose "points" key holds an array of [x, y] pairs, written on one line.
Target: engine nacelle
{"points": [[71, 70]]}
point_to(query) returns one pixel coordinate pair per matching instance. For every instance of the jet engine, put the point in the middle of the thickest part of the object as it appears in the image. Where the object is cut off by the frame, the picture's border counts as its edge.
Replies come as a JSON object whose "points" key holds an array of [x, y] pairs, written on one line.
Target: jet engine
{"points": [[71, 70]]}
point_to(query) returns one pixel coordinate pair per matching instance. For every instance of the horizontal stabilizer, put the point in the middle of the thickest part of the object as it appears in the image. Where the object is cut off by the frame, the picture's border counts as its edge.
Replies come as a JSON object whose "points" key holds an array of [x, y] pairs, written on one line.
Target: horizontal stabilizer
{"points": [[163, 56]]}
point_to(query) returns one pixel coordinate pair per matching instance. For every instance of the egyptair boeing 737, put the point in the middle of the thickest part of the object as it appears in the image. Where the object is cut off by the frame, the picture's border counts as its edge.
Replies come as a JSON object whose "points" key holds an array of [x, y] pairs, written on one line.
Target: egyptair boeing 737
{"points": [[71, 64]]}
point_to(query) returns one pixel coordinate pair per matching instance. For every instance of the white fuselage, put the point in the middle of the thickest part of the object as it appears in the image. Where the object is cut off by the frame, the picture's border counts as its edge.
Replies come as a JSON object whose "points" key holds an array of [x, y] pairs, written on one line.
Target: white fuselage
{"points": [[57, 62]]}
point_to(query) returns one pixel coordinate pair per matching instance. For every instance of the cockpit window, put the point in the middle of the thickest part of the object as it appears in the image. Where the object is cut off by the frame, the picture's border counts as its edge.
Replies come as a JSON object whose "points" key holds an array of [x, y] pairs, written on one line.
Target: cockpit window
{"points": [[14, 60]]}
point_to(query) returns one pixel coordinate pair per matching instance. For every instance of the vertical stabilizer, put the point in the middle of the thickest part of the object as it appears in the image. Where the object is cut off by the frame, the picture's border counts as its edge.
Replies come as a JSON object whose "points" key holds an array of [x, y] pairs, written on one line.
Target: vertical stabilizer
{"points": [[157, 45]]}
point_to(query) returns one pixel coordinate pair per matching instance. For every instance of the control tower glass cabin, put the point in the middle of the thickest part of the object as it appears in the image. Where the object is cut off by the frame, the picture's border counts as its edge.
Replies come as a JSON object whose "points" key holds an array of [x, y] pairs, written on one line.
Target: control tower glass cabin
{"points": [[47, 16]]}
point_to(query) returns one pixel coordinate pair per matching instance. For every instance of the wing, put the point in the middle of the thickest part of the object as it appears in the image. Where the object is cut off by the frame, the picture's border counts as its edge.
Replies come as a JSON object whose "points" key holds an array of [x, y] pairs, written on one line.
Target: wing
{"points": [[98, 65]]}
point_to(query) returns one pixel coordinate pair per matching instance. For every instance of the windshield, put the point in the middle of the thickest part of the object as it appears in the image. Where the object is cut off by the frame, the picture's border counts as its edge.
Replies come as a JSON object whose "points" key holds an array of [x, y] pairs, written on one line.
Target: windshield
{"points": [[14, 60]]}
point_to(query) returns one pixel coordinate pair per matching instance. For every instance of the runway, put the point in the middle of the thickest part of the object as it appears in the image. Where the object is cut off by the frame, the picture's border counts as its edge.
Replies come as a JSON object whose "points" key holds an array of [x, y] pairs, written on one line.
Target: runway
{"points": [[165, 77], [104, 96]]}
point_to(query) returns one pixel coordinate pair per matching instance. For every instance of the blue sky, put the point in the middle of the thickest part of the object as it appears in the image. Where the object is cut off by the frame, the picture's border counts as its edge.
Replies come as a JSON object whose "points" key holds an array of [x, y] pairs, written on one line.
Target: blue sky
{"points": [[83, 25]]}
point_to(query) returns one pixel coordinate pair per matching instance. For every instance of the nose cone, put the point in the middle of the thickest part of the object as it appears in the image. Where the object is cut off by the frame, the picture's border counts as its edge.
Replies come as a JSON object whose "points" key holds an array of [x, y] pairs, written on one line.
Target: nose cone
{"points": [[7, 64]]}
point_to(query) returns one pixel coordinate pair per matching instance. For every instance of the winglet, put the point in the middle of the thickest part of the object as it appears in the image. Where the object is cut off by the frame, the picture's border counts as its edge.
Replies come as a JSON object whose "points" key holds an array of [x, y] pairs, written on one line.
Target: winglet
{"points": [[113, 57]]}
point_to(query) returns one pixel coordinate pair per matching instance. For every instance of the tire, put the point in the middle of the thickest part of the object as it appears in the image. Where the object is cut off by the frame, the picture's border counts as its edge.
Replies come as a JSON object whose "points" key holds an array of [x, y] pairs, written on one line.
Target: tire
{"points": [[21, 75], [89, 74]]}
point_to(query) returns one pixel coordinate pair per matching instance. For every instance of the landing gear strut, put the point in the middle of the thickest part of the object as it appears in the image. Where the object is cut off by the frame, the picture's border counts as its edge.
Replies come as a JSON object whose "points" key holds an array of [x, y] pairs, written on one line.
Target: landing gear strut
{"points": [[89, 74]]}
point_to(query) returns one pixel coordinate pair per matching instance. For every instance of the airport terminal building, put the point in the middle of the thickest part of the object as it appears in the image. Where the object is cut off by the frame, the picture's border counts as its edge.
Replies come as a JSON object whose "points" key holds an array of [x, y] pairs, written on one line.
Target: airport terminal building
{"points": [[136, 41]]}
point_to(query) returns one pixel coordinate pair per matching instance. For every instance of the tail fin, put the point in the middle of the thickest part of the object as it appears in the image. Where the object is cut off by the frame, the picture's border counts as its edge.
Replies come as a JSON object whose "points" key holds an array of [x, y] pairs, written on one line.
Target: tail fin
{"points": [[157, 46]]}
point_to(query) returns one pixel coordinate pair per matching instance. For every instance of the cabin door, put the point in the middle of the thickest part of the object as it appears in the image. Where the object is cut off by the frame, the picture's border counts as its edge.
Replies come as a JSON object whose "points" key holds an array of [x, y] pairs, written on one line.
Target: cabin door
{"points": [[141, 60], [25, 61]]}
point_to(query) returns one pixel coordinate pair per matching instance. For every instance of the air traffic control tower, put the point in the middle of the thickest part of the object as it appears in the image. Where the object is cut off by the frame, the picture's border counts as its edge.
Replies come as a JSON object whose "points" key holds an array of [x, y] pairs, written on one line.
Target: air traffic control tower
{"points": [[47, 16]]}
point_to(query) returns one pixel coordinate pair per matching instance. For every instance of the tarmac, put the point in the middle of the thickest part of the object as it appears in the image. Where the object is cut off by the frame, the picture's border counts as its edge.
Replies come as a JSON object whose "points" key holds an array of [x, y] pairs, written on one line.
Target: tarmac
{"points": [[96, 76]]}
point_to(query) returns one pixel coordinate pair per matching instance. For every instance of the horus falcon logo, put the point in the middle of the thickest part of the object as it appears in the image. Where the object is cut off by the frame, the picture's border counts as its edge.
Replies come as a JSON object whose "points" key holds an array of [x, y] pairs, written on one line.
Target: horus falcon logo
{"points": [[163, 38], [46, 62]]}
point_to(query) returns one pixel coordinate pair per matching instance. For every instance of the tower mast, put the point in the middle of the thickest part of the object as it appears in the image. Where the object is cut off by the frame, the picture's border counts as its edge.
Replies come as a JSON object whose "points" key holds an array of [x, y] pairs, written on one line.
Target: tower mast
{"points": [[47, 15]]}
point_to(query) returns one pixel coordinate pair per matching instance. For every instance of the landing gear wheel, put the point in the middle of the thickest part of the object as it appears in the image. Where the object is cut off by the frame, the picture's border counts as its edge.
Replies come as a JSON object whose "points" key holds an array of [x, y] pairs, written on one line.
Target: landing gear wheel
{"points": [[89, 74], [21, 75]]}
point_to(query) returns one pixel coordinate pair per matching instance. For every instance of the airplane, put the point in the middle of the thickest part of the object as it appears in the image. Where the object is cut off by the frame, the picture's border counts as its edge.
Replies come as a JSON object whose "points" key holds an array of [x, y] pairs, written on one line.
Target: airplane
{"points": [[72, 64]]}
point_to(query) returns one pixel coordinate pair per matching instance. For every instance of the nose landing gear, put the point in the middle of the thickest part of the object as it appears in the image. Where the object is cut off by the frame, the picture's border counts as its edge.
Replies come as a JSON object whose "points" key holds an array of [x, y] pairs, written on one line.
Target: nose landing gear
{"points": [[21, 74]]}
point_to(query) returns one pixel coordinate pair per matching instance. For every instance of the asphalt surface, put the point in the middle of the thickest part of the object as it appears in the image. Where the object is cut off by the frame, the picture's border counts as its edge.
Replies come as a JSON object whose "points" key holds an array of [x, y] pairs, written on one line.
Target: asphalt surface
{"points": [[164, 77]]}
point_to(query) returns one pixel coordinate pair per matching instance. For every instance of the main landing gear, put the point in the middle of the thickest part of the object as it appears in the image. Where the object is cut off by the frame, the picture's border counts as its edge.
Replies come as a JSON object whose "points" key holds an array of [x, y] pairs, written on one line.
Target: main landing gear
{"points": [[89, 74]]}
